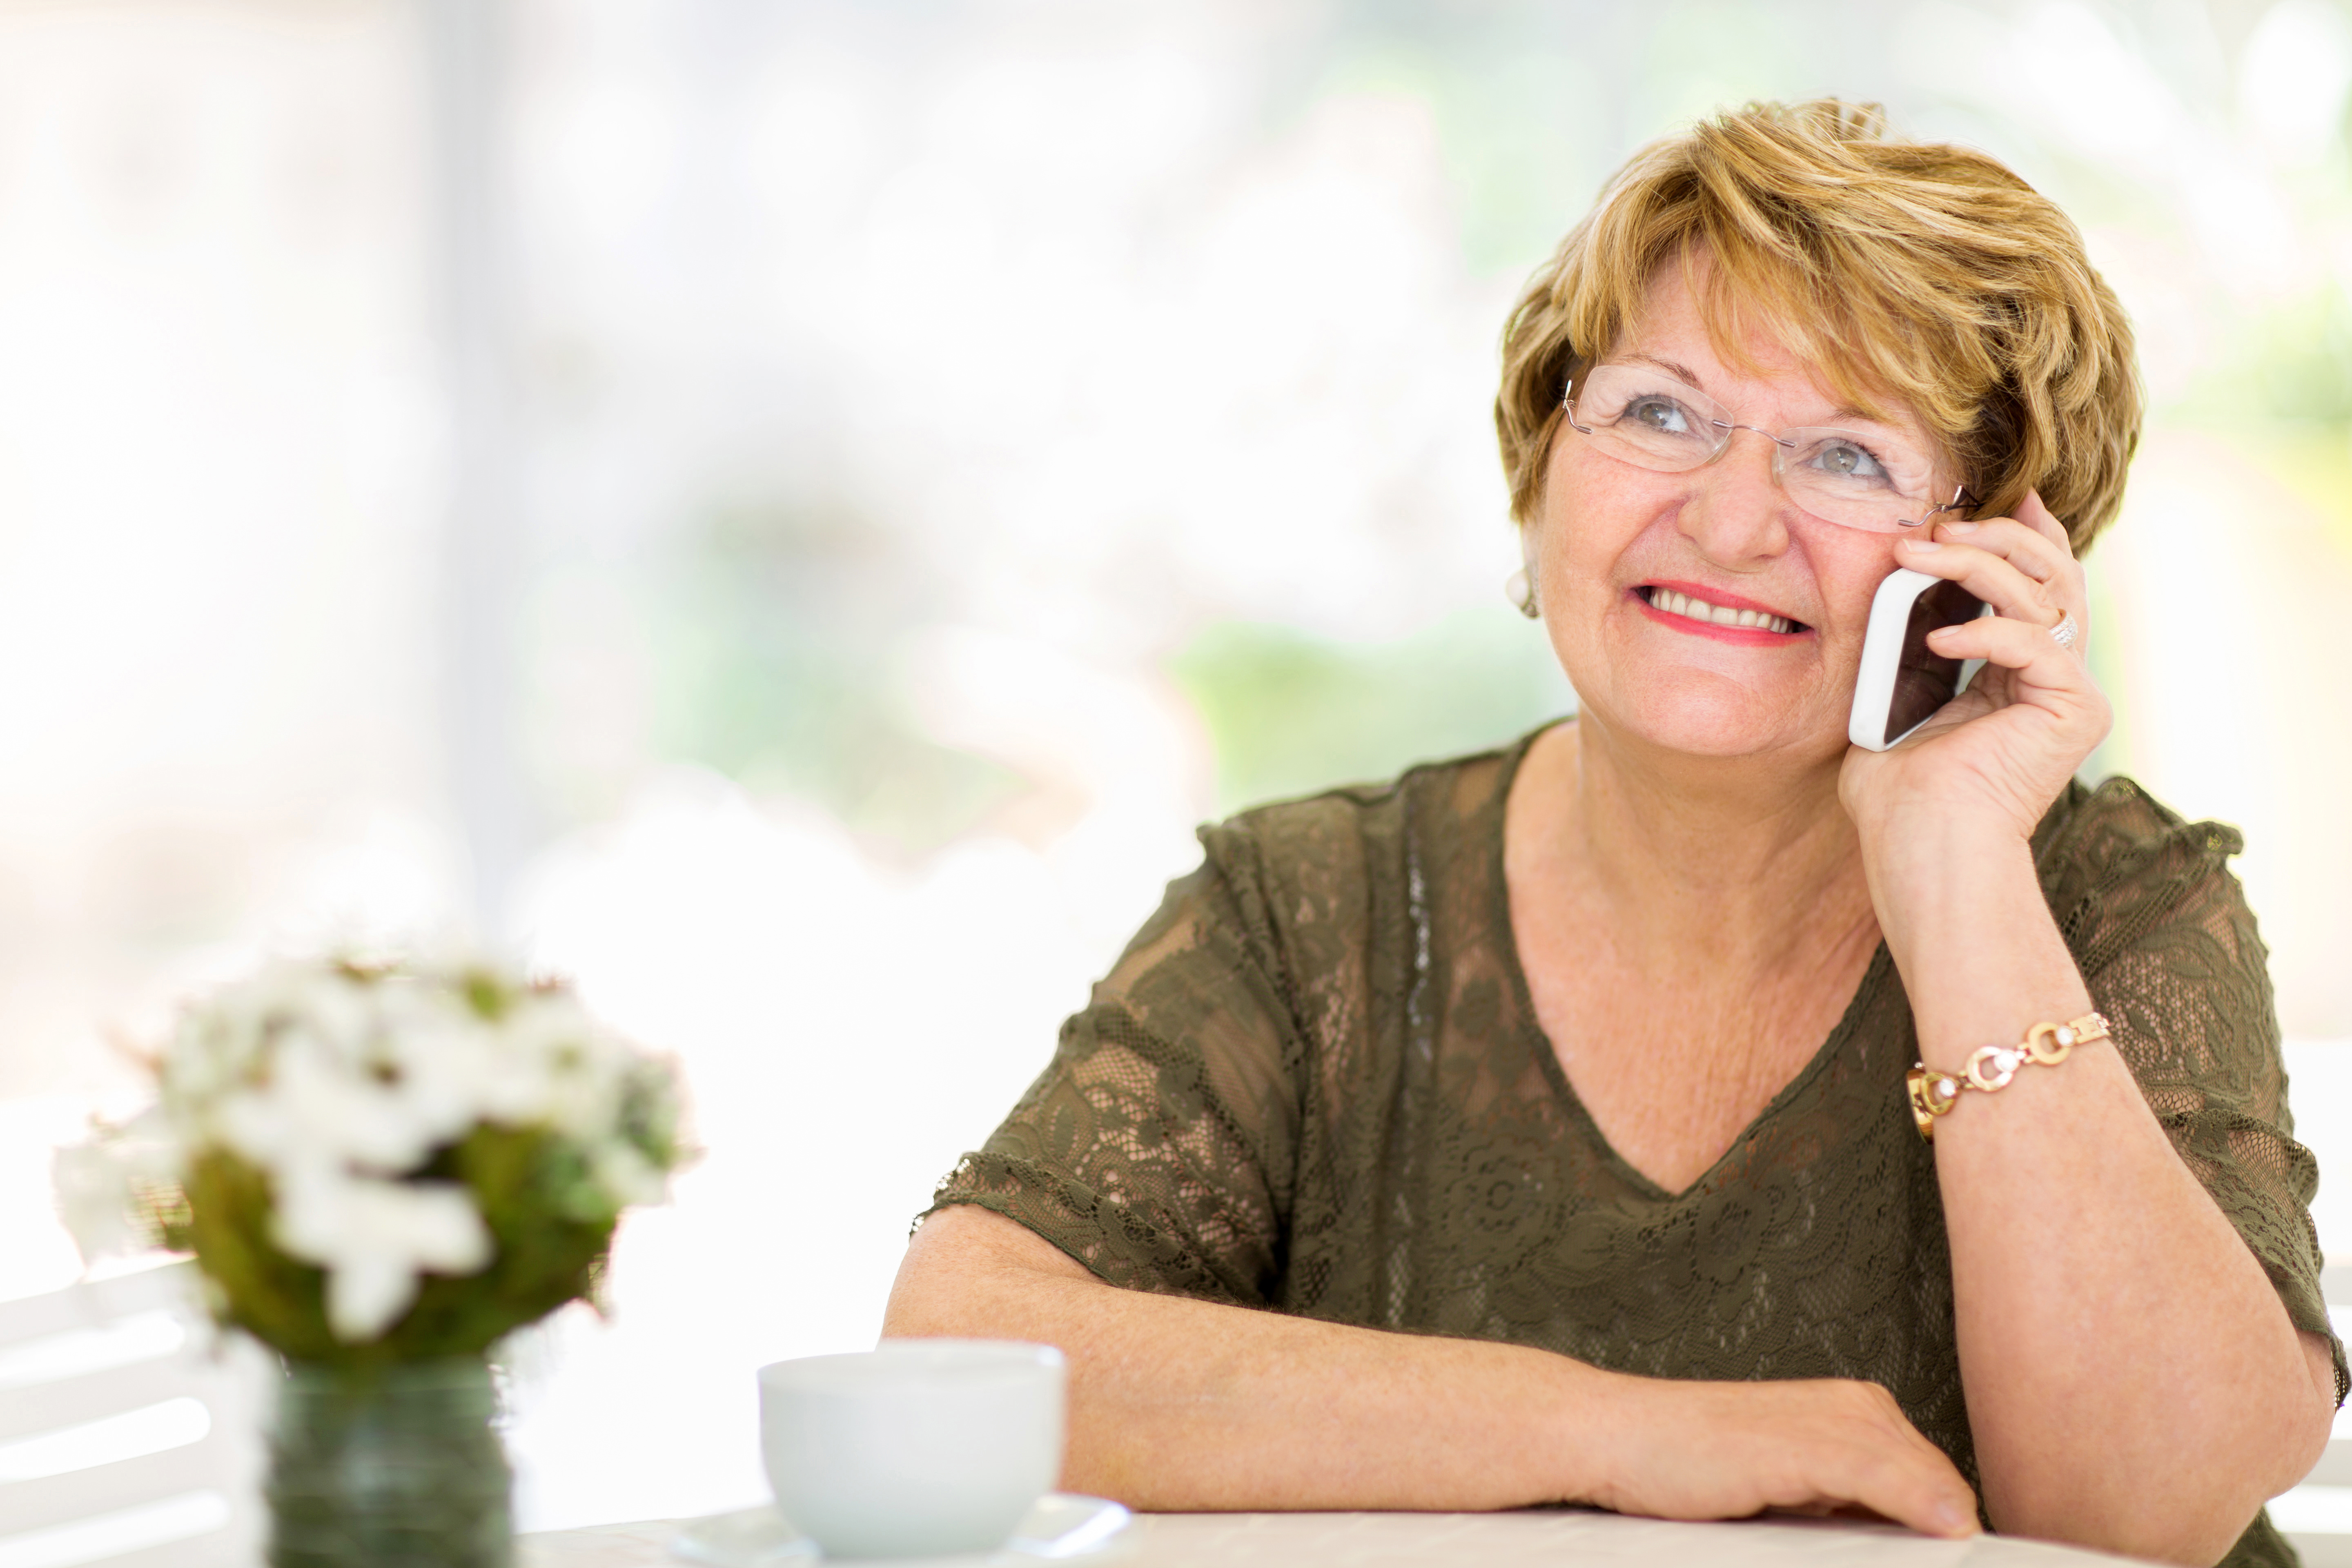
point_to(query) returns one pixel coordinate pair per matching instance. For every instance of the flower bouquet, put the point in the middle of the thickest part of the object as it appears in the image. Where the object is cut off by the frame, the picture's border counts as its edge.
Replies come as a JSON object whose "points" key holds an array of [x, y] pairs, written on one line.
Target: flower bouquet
{"points": [[381, 1170]]}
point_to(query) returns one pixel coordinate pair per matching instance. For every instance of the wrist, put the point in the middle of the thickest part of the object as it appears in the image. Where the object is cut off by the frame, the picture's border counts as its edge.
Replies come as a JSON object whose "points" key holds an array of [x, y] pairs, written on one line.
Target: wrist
{"points": [[1971, 933], [1945, 881], [1936, 1090], [1586, 1416], [1931, 833]]}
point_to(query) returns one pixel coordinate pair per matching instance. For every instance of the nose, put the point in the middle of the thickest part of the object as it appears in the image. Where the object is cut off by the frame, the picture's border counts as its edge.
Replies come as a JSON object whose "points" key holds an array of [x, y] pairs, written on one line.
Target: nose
{"points": [[1735, 512]]}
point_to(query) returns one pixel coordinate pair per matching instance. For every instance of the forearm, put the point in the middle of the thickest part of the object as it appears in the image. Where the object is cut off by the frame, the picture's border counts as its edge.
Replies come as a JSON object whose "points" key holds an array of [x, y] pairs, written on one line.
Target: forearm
{"points": [[2132, 1378], [1178, 1404]]}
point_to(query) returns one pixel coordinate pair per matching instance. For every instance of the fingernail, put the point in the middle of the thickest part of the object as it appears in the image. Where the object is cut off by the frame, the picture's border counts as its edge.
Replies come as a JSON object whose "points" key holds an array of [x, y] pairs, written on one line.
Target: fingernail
{"points": [[1952, 1517], [1962, 527], [1922, 543]]}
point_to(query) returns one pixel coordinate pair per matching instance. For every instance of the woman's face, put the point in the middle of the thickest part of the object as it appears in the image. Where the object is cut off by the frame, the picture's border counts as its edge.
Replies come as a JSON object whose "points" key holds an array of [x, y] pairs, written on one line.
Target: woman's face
{"points": [[1615, 543]]}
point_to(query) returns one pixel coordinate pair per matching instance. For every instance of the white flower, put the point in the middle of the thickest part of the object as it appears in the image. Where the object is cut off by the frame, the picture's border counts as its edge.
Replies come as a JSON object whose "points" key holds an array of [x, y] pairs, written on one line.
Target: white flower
{"points": [[337, 1083], [94, 1199], [627, 1176], [98, 1183], [374, 1239]]}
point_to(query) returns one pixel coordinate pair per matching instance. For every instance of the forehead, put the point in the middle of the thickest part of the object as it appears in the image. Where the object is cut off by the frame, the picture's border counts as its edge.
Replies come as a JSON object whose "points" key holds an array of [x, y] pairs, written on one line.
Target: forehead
{"points": [[1691, 319]]}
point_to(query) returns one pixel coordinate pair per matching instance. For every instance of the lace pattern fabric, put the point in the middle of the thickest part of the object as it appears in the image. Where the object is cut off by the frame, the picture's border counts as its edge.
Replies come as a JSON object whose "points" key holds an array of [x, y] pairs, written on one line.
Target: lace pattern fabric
{"points": [[1314, 1083]]}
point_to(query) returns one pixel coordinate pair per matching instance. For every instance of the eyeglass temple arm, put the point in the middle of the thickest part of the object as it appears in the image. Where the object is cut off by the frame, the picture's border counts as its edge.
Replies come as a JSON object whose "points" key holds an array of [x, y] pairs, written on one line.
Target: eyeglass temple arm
{"points": [[1960, 497]]}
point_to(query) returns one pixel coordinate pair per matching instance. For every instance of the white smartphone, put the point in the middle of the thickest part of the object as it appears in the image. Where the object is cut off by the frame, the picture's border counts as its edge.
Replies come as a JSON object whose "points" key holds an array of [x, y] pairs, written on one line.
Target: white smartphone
{"points": [[1903, 681]]}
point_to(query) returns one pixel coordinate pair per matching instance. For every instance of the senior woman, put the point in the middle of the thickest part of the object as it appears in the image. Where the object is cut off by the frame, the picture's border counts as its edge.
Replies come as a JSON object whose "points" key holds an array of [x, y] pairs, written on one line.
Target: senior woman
{"points": [[1536, 1127]]}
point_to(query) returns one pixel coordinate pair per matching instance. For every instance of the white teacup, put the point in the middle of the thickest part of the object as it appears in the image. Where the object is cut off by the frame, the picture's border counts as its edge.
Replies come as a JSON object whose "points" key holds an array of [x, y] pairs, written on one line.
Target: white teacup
{"points": [[918, 1449]]}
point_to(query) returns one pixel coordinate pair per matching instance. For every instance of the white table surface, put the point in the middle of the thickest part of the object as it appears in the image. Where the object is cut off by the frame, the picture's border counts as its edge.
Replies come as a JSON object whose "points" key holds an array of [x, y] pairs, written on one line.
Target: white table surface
{"points": [[1552, 1538]]}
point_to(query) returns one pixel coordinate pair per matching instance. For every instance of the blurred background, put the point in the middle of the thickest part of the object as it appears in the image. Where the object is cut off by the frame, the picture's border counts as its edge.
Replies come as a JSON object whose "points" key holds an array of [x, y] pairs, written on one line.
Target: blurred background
{"points": [[791, 510]]}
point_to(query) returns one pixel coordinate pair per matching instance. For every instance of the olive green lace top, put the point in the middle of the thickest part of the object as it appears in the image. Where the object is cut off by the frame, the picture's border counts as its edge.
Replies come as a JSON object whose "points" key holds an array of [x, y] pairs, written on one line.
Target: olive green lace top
{"points": [[1314, 1083]]}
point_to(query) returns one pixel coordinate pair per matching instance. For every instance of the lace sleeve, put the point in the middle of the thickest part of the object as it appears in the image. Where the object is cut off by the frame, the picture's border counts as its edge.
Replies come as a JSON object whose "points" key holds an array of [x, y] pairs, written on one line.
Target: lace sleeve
{"points": [[2169, 951], [1157, 1147]]}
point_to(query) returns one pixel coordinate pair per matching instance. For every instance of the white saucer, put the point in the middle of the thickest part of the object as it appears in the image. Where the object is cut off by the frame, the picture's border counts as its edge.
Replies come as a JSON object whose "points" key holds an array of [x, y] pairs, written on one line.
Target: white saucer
{"points": [[1063, 1526]]}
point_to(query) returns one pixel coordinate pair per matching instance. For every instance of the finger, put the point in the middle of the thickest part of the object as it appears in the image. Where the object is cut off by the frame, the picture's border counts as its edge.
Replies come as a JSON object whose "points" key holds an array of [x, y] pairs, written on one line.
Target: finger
{"points": [[1925, 1492], [1879, 1462], [2015, 644], [2047, 561], [2025, 547], [2037, 517], [1988, 576], [1912, 1484]]}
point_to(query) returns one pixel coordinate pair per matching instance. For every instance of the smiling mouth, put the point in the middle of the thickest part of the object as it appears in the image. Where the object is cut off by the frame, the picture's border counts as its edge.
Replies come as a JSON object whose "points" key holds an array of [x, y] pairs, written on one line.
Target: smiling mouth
{"points": [[1670, 602]]}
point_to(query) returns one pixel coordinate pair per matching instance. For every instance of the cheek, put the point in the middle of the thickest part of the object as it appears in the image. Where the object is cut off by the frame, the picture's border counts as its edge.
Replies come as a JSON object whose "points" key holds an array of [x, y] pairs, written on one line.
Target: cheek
{"points": [[1593, 511], [1849, 564]]}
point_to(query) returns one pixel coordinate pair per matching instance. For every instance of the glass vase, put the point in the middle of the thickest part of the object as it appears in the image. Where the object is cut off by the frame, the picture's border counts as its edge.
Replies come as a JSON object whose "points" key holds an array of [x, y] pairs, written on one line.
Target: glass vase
{"points": [[397, 1467]]}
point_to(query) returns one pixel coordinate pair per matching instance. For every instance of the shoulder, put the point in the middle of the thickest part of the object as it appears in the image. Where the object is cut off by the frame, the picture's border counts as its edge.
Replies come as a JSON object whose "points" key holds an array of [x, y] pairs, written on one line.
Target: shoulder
{"points": [[2118, 832], [1354, 830], [2119, 825], [2116, 864], [1344, 864]]}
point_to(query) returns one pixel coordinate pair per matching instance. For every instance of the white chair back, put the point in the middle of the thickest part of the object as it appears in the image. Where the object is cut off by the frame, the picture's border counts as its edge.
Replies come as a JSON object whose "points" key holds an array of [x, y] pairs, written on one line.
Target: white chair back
{"points": [[126, 1440]]}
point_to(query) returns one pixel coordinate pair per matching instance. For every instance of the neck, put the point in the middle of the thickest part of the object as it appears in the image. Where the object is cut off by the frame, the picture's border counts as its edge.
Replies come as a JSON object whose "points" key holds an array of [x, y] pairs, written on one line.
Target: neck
{"points": [[1743, 864]]}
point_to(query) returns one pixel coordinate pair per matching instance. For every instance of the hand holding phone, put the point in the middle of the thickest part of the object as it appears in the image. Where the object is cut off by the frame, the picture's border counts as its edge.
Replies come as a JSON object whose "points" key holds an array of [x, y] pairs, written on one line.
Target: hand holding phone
{"points": [[1903, 682], [2032, 713]]}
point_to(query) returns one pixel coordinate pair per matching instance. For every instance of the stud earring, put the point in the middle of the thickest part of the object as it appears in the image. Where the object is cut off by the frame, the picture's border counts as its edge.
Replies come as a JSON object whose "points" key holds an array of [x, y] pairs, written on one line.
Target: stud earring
{"points": [[1519, 587], [1521, 592]]}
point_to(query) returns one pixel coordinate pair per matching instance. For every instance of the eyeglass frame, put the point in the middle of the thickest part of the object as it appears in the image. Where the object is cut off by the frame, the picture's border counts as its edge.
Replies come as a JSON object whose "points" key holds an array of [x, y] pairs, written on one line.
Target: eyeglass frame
{"points": [[1961, 495]]}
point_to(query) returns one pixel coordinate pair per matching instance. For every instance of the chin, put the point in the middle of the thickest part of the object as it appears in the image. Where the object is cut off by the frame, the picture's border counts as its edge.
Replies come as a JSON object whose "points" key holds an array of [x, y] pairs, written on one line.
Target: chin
{"points": [[1708, 716]]}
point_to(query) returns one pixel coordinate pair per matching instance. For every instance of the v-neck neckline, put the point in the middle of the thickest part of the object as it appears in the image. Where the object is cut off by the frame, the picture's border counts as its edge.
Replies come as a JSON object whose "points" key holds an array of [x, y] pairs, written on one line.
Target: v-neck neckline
{"points": [[1531, 1033]]}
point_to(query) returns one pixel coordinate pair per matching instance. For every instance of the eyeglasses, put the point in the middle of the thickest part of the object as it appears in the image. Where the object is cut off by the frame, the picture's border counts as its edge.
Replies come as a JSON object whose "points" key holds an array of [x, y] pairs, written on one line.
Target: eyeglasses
{"points": [[1653, 421]]}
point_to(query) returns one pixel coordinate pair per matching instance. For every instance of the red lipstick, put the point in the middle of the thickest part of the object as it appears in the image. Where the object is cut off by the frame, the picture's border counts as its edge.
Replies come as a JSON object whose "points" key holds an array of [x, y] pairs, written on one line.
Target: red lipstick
{"points": [[1749, 636]]}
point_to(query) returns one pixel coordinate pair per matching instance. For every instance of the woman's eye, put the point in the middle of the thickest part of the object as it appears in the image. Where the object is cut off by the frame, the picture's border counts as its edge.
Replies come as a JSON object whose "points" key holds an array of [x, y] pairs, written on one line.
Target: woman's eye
{"points": [[1845, 461], [1659, 414]]}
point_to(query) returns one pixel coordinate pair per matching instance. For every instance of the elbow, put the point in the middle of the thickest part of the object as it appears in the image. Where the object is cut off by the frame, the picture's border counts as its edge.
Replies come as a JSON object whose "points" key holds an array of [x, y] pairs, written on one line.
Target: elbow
{"points": [[2201, 1528], [2194, 1517], [2307, 1445], [971, 1273], [2202, 1537], [935, 1298], [2185, 1494], [2194, 1531], [919, 1314]]}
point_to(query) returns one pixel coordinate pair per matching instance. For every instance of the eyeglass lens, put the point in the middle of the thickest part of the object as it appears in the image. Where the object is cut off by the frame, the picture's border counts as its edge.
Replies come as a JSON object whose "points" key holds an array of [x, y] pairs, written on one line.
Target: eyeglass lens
{"points": [[1652, 420]]}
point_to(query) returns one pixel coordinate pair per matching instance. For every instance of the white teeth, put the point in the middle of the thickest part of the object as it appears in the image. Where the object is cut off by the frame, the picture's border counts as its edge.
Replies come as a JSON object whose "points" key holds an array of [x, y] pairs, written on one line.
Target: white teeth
{"points": [[1675, 603]]}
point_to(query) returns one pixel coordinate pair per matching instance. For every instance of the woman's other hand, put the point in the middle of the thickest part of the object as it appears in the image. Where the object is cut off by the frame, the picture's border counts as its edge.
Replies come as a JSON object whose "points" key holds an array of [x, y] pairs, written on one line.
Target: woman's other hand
{"points": [[1727, 1450], [1183, 1405], [2003, 749]]}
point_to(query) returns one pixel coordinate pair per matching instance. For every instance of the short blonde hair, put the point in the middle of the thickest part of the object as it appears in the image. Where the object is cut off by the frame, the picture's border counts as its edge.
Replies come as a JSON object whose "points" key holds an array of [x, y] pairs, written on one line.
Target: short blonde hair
{"points": [[1912, 271]]}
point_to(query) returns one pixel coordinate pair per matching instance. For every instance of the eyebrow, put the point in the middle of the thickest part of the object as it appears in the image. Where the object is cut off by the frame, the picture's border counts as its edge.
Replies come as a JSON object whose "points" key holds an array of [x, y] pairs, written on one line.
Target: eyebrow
{"points": [[1671, 368], [1839, 415]]}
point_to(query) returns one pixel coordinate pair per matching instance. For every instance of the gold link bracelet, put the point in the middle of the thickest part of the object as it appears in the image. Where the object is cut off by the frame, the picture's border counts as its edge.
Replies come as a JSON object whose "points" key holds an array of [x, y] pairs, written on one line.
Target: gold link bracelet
{"points": [[1990, 1067]]}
